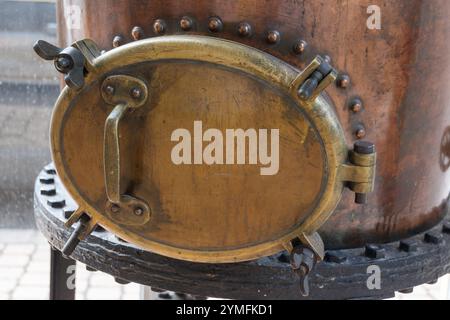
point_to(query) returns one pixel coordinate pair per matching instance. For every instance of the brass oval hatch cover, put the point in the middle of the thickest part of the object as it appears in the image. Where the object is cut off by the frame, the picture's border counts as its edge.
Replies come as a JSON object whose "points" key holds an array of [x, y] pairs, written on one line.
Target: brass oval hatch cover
{"points": [[198, 148]]}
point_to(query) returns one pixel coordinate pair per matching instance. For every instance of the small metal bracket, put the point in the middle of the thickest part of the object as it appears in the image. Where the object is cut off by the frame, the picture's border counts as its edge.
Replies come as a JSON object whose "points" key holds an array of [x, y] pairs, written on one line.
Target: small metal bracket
{"points": [[360, 172], [318, 75], [125, 93], [84, 228], [305, 252]]}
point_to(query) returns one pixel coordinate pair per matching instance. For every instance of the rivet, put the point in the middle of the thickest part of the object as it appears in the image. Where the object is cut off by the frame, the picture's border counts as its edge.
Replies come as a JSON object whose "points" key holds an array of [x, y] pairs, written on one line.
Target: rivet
{"points": [[138, 211], [109, 90], [335, 257], [56, 203], [433, 237], [186, 23], [343, 81], [374, 252], [159, 26], [300, 46], [115, 208], [273, 36], [48, 191], [360, 132], [244, 29], [408, 245], [136, 93], [117, 41], [356, 105], [137, 33], [215, 24]]}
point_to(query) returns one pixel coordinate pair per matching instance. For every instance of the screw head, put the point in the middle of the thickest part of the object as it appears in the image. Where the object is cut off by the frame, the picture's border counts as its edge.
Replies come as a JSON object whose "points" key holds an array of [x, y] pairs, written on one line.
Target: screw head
{"points": [[215, 24], [159, 26], [109, 90], [186, 23], [138, 211], [137, 33], [343, 81], [244, 29], [115, 208], [356, 105], [360, 132], [273, 37], [300, 46], [136, 93], [117, 41]]}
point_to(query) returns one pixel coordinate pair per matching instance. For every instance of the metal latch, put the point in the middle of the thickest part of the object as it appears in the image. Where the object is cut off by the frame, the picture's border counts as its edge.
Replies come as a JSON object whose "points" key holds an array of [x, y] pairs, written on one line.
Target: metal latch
{"points": [[318, 75]]}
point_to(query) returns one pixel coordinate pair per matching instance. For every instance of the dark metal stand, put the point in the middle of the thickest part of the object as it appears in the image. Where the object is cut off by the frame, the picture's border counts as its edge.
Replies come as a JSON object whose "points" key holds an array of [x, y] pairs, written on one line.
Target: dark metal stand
{"points": [[62, 276], [344, 274]]}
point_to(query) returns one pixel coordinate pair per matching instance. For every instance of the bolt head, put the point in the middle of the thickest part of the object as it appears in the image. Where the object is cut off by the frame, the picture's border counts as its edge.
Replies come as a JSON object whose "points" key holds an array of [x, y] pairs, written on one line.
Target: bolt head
{"points": [[186, 23], [137, 33], [300, 47], [159, 26], [215, 24], [109, 90], [138, 211], [245, 29], [136, 93], [273, 36], [115, 208]]}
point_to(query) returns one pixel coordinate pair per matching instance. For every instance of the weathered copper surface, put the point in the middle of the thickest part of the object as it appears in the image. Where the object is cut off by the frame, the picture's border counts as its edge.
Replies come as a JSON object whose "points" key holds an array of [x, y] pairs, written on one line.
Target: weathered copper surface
{"points": [[400, 72]]}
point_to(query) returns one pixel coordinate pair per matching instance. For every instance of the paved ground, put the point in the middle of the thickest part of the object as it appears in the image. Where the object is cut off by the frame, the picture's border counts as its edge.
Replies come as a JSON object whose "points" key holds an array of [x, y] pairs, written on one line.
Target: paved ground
{"points": [[24, 274]]}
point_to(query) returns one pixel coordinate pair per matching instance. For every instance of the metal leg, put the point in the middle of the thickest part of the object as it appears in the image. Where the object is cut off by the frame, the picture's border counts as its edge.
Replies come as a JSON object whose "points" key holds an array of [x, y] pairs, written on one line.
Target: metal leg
{"points": [[62, 276]]}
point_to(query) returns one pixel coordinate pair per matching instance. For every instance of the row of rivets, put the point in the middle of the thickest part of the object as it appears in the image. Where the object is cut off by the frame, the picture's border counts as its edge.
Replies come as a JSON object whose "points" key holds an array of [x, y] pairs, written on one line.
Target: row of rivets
{"points": [[215, 24], [244, 29]]}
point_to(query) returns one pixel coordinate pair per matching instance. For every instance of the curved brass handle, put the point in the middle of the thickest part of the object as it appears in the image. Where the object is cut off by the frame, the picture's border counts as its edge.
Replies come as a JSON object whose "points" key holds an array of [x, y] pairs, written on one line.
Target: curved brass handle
{"points": [[125, 93]]}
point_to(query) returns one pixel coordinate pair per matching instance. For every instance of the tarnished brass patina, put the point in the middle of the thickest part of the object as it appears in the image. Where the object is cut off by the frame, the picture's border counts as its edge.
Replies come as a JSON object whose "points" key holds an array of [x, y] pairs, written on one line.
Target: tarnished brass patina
{"points": [[111, 142]]}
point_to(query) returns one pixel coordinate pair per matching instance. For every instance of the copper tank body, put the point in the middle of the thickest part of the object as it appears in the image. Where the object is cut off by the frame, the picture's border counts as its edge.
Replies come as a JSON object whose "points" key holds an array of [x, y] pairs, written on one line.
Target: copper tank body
{"points": [[400, 73]]}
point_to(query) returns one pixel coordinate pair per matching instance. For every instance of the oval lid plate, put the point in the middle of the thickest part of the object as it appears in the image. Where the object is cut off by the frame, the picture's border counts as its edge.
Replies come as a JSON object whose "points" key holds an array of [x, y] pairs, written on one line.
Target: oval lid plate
{"points": [[198, 148]]}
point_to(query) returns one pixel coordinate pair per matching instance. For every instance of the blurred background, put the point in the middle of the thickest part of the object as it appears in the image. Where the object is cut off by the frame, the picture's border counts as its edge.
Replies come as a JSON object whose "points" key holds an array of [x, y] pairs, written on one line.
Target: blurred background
{"points": [[29, 87]]}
